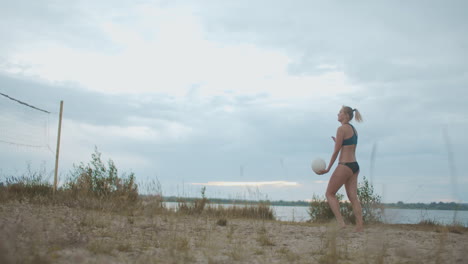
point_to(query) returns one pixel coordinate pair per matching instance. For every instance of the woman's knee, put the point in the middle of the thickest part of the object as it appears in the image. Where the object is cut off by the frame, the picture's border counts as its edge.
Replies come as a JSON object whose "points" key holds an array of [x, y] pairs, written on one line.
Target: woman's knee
{"points": [[330, 195], [354, 200]]}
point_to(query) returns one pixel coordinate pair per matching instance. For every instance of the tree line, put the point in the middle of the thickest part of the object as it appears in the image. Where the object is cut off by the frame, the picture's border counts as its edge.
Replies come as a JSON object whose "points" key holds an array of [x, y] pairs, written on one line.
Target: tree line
{"points": [[429, 206], [398, 205]]}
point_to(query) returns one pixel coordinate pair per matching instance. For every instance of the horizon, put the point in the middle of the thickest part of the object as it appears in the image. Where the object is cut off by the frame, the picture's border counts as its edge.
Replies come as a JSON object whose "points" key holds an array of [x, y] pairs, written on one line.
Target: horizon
{"points": [[303, 201]]}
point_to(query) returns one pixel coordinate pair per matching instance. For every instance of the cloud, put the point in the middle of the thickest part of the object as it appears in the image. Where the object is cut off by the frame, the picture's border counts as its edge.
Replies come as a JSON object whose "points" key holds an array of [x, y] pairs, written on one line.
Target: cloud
{"points": [[355, 36], [320, 182], [160, 45], [163, 132], [192, 92]]}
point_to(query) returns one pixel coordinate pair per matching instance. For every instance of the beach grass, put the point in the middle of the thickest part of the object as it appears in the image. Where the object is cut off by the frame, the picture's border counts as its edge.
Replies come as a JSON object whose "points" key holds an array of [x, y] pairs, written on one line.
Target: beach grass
{"points": [[46, 231]]}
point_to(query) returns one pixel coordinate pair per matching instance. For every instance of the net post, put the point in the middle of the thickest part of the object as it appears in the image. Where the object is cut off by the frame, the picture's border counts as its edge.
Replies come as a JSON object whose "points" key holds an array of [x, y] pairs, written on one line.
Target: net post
{"points": [[58, 147]]}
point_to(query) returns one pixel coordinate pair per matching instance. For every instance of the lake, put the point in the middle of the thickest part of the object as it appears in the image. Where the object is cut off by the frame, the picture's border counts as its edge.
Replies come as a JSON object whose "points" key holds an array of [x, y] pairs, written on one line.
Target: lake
{"points": [[391, 216]]}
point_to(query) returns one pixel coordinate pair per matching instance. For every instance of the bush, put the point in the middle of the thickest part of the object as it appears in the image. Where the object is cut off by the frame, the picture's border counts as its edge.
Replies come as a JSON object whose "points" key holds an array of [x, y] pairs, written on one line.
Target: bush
{"points": [[29, 185], [372, 208], [320, 211], [96, 180]]}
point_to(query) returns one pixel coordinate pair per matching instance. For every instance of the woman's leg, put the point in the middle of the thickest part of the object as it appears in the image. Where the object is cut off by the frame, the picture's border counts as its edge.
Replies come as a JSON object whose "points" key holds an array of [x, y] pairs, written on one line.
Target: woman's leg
{"points": [[351, 191], [338, 178]]}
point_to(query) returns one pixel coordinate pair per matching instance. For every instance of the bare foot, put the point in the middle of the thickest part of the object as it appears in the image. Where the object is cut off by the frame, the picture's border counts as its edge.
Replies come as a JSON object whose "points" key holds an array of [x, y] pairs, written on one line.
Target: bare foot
{"points": [[359, 229], [342, 225]]}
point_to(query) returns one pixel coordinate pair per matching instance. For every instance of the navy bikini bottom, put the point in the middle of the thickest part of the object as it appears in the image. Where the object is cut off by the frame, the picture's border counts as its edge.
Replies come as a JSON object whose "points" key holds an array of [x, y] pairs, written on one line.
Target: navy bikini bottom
{"points": [[354, 166]]}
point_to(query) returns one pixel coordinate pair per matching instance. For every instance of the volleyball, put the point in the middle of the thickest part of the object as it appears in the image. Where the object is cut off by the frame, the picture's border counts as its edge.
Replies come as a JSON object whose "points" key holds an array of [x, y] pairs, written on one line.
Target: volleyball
{"points": [[318, 165]]}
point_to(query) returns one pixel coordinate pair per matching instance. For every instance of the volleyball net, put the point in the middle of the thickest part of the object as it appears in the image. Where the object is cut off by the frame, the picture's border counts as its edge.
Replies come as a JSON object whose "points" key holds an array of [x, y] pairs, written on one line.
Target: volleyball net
{"points": [[23, 125]]}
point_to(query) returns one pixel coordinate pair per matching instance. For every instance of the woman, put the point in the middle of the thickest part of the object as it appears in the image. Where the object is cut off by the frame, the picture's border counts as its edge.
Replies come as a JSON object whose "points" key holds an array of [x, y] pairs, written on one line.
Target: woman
{"points": [[347, 170]]}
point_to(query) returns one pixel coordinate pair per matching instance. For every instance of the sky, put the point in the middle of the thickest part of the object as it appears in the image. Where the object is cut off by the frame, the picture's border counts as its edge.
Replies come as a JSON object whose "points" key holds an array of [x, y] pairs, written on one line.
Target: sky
{"points": [[239, 96]]}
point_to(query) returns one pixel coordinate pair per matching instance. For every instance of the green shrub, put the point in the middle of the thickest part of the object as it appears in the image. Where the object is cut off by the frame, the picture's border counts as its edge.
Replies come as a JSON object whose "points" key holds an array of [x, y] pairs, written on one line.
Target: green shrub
{"points": [[371, 203], [320, 211], [96, 180]]}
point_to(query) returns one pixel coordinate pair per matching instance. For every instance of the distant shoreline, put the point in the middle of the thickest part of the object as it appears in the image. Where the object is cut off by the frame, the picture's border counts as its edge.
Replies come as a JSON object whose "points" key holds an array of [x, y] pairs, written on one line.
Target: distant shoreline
{"points": [[400, 205]]}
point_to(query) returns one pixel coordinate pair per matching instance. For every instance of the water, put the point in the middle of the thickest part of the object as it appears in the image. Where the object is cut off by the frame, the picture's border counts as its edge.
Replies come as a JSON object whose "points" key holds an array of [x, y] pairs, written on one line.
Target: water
{"points": [[391, 216]]}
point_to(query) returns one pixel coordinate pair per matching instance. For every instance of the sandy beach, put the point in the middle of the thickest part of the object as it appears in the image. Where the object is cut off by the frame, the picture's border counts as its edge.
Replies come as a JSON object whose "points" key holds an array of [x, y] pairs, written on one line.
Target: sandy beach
{"points": [[32, 233]]}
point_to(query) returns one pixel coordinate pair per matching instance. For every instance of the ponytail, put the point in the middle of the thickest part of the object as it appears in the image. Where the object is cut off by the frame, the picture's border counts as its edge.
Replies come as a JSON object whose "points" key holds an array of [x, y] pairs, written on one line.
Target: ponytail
{"points": [[358, 116], [350, 111]]}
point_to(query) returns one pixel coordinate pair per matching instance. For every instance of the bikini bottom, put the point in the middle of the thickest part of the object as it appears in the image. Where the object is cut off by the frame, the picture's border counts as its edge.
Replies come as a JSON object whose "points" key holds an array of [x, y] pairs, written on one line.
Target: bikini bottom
{"points": [[354, 166]]}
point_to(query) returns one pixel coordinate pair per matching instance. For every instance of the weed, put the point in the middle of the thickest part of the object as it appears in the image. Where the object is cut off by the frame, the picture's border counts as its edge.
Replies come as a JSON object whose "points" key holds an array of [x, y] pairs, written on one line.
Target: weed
{"points": [[101, 246], [428, 222], [124, 248], [230, 233], [263, 238], [440, 248], [181, 244], [237, 252], [222, 222], [455, 228], [252, 211], [26, 186], [259, 251], [288, 254], [381, 254]]}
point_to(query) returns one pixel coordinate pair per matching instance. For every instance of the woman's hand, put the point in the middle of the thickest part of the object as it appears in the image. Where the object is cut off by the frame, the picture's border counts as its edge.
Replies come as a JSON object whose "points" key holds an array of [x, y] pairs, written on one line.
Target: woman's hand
{"points": [[334, 139], [321, 172]]}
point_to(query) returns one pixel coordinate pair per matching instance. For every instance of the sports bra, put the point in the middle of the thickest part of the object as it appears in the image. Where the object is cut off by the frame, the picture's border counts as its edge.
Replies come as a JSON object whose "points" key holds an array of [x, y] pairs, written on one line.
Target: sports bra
{"points": [[352, 140]]}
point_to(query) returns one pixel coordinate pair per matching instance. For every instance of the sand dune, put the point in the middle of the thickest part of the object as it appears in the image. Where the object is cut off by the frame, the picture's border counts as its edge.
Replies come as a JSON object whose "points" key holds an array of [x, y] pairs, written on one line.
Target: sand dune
{"points": [[31, 233]]}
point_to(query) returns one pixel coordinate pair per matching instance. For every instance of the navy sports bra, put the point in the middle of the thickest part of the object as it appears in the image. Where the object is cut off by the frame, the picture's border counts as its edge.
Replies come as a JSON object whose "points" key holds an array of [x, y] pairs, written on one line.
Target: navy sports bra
{"points": [[352, 140]]}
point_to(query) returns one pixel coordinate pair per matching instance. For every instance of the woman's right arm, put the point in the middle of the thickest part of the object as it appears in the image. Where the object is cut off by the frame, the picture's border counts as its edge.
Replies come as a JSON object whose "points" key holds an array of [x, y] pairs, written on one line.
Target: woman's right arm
{"points": [[338, 144]]}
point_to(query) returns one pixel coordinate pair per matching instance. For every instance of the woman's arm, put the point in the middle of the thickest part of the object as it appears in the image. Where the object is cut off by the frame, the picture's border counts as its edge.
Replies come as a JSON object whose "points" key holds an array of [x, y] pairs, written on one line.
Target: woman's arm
{"points": [[338, 143]]}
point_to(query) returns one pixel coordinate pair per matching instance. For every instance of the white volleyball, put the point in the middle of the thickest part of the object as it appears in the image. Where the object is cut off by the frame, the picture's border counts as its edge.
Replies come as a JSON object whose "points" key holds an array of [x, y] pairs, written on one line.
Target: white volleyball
{"points": [[318, 165]]}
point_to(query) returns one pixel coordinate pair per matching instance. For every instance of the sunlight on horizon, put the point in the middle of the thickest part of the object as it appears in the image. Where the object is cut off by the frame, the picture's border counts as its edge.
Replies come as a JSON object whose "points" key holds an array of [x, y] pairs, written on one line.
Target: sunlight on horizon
{"points": [[264, 183]]}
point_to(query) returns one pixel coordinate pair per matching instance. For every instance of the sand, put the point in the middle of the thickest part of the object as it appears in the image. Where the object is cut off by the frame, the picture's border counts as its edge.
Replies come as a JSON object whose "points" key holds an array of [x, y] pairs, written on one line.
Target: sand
{"points": [[32, 233]]}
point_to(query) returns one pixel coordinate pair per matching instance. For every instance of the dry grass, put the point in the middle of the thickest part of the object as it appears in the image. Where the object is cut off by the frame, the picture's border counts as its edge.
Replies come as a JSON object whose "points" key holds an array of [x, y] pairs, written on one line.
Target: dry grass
{"points": [[264, 239], [49, 233], [203, 207], [430, 227], [38, 227]]}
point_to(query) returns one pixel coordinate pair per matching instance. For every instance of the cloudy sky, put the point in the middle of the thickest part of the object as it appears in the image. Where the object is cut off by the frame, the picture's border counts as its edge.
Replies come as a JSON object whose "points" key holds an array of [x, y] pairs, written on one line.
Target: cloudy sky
{"points": [[239, 96]]}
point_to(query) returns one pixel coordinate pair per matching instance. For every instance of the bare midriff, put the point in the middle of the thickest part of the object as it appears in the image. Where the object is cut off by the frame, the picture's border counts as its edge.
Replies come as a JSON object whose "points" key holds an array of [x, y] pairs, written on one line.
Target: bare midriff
{"points": [[347, 153]]}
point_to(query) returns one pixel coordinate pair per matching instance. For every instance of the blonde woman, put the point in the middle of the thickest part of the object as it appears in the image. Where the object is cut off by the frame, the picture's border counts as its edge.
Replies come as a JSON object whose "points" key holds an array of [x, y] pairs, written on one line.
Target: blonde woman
{"points": [[347, 171]]}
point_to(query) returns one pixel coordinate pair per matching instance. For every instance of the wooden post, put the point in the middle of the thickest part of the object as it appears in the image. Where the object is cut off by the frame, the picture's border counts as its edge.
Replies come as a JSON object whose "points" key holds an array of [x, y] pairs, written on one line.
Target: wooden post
{"points": [[58, 146]]}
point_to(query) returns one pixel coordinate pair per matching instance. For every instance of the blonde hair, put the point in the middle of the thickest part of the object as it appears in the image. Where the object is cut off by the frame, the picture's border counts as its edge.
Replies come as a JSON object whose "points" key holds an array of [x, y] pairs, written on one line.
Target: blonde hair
{"points": [[350, 111]]}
